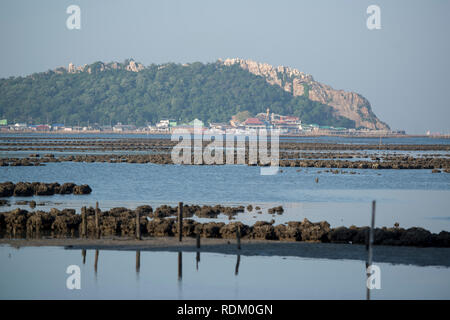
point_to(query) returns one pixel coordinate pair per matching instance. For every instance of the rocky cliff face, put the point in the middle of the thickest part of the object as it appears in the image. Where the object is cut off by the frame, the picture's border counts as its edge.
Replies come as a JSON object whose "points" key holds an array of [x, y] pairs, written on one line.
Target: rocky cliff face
{"points": [[347, 104], [129, 65]]}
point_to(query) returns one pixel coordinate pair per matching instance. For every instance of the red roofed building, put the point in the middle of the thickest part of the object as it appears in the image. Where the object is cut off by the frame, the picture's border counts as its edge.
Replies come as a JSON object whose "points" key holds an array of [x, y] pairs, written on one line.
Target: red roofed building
{"points": [[42, 127], [255, 123], [289, 118], [287, 124]]}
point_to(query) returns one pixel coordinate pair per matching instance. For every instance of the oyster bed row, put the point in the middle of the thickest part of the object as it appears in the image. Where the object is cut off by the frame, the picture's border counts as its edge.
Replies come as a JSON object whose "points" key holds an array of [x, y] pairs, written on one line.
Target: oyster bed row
{"points": [[400, 162], [148, 144], [28, 189], [21, 223]]}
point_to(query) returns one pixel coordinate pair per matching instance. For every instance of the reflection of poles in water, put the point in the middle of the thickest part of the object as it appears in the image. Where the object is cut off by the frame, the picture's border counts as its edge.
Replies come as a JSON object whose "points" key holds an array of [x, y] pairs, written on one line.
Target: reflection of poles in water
{"points": [[83, 254], [369, 248], [138, 261], [96, 261], [180, 265], [238, 261], [180, 275], [197, 259]]}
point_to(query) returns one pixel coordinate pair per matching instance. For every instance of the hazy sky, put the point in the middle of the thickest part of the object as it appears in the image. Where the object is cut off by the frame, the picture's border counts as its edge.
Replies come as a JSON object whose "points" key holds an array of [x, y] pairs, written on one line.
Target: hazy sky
{"points": [[402, 69]]}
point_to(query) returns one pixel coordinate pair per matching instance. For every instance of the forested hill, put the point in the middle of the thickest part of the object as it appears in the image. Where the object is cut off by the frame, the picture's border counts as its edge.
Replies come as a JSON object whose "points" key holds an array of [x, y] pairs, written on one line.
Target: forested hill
{"points": [[129, 93]]}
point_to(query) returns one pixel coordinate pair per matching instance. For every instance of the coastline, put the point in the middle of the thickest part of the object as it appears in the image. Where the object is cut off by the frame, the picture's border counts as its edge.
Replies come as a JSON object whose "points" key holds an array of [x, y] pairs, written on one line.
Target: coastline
{"points": [[374, 135]]}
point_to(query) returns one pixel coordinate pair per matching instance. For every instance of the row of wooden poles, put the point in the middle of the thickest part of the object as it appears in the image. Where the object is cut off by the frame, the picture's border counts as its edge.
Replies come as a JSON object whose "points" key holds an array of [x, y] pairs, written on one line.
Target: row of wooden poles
{"points": [[138, 261], [84, 228], [180, 238]]}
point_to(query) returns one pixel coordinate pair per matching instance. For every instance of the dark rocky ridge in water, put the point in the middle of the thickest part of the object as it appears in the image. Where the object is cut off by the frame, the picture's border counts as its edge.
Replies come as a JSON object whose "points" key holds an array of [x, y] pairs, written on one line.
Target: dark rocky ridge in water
{"points": [[28, 189], [399, 162], [158, 223], [158, 151]]}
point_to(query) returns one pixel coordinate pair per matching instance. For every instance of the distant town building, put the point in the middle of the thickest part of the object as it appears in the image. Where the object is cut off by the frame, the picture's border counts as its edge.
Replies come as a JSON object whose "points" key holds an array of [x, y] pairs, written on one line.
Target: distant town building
{"points": [[124, 127], [58, 126], [255, 123], [106, 128], [219, 125], [20, 126], [196, 123], [286, 124], [42, 127], [166, 124]]}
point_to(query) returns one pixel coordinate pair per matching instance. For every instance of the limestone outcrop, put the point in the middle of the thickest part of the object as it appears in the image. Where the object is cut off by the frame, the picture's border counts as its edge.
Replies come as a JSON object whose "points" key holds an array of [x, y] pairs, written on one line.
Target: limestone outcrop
{"points": [[347, 104]]}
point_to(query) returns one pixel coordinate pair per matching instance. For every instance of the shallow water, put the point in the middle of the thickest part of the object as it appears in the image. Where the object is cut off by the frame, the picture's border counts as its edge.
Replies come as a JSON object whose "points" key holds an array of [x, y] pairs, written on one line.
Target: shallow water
{"points": [[409, 197], [40, 273]]}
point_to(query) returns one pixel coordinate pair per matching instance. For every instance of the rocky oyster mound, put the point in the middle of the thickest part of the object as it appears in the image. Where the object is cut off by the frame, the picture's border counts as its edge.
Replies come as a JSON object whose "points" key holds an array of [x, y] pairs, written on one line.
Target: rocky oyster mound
{"points": [[122, 222], [28, 189], [286, 160]]}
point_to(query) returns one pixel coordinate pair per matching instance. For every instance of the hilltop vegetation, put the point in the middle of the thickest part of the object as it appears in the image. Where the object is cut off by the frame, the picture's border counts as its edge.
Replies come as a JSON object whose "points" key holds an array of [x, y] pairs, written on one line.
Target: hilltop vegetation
{"points": [[210, 92]]}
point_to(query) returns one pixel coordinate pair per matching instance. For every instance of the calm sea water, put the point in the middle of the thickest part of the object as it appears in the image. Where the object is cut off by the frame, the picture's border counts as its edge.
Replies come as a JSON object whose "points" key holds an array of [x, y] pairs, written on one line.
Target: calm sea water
{"points": [[40, 273], [409, 197]]}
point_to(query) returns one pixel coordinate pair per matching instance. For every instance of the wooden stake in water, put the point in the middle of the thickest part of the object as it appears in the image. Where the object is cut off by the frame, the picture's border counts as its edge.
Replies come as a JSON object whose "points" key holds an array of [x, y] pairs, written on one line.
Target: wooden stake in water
{"points": [[238, 237], [138, 226], [180, 221], [97, 225], [83, 222], [370, 252]]}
